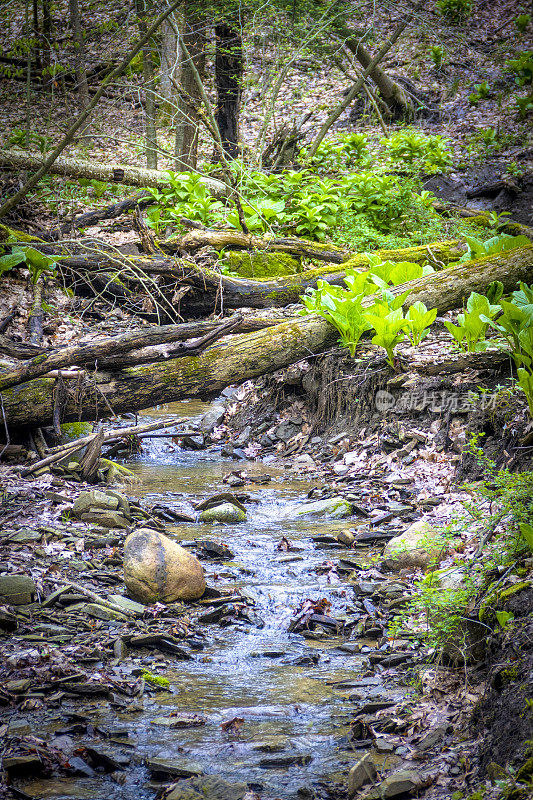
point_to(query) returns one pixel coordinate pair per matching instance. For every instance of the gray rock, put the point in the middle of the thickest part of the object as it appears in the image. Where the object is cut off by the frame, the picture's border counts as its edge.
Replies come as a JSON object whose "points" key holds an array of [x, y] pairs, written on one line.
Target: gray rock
{"points": [[157, 569], [244, 437], [99, 612], [26, 536], [346, 538], [418, 547], [107, 519], [226, 512], [286, 430], [87, 501], [212, 418], [168, 767], [362, 772], [405, 781], [127, 604], [17, 590], [210, 786], [333, 507]]}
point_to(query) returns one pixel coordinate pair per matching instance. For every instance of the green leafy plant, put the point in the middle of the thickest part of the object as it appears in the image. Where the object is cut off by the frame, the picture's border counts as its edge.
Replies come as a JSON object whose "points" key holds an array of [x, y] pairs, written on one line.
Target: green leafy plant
{"points": [[418, 322], [527, 532], [395, 273], [390, 331], [504, 618], [481, 92], [343, 307], [491, 247], [521, 67], [428, 153], [99, 187], [524, 105], [522, 21], [437, 54], [455, 10], [472, 325], [36, 262], [525, 382]]}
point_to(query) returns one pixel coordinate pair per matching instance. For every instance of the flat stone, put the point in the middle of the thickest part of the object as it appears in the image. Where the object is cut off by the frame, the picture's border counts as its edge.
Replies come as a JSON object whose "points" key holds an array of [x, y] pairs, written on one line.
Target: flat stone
{"points": [[99, 612], [210, 786], [288, 760], [26, 536], [127, 604], [17, 590], [332, 507], [18, 686], [94, 499], [180, 721], [272, 744], [364, 771], [174, 768], [405, 781], [107, 519], [226, 512], [22, 765]]}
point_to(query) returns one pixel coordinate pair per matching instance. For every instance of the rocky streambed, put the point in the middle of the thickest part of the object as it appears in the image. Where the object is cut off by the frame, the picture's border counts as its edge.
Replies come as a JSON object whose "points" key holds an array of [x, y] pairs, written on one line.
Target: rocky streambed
{"points": [[279, 681]]}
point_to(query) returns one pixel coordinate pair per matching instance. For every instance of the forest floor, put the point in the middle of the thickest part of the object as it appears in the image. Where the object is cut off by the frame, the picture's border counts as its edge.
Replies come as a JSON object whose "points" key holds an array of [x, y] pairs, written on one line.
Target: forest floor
{"points": [[395, 447]]}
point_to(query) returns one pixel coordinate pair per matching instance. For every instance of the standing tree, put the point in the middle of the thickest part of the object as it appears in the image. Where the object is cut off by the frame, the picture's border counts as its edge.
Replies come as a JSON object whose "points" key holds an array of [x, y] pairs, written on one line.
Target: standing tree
{"points": [[79, 46], [229, 67], [148, 80]]}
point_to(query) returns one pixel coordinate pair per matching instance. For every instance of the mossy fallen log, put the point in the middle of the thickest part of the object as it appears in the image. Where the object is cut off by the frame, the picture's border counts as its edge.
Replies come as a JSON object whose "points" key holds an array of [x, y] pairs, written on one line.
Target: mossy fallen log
{"points": [[244, 292], [244, 356]]}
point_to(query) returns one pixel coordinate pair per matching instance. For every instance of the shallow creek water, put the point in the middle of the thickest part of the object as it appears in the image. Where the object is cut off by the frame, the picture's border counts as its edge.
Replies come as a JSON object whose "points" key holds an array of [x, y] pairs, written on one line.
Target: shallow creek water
{"points": [[245, 670]]}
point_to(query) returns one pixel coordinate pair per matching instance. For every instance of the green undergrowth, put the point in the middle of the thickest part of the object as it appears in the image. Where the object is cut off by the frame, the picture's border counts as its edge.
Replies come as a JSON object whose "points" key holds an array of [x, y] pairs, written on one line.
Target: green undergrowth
{"points": [[455, 609]]}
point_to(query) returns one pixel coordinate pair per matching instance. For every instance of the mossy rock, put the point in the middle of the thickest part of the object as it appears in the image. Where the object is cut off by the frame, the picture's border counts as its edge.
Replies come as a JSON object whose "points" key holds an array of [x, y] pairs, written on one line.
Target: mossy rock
{"points": [[75, 430], [496, 601], [262, 265]]}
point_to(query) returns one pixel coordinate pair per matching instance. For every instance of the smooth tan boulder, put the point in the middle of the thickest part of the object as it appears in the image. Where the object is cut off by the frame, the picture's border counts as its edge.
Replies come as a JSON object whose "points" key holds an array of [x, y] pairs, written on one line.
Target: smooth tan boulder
{"points": [[158, 569], [418, 547]]}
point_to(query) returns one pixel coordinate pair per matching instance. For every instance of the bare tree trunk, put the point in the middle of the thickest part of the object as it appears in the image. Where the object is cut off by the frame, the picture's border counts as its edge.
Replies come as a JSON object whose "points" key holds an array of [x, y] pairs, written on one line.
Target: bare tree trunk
{"points": [[46, 38], [148, 79], [169, 65], [187, 120], [229, 66], [81, 73], [398, 102], [335, 114]]}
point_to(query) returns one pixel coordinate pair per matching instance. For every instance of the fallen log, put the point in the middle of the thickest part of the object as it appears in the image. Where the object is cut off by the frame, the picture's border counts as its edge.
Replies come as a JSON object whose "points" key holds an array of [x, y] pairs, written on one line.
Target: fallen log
{"points": [[241, 357], [115, 346], [111, 173], [244, 292]]}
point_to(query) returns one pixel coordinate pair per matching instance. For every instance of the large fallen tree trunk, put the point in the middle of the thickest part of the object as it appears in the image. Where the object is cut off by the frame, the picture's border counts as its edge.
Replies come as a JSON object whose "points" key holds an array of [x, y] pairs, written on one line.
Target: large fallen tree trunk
{"points": [[112, 173], [116, 347], [238, 358]]}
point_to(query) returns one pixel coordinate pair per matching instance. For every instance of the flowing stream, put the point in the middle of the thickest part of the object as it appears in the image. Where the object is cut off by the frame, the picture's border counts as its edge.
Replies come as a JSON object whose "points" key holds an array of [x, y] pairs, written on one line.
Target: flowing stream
{"points": [[290, 693]]}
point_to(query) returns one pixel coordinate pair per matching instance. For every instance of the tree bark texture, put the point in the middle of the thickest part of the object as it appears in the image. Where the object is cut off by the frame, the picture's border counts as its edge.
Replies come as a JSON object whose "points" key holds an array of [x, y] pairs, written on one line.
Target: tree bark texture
{"points": [[398, 102], [187, 122], [241, 357], [229, 67], [81, 72], [113, 173], [150, 109], [169, 64]]}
